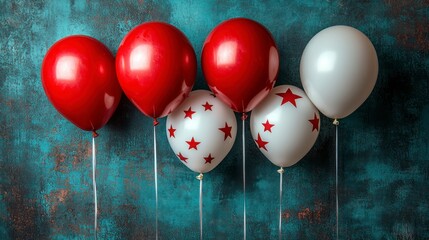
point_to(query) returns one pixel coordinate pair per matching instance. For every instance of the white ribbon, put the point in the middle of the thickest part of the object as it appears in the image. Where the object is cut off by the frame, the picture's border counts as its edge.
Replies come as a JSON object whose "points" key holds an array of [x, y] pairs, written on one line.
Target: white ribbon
{"points": [[281, 171], [94, 186], [244, 178], [336, 123], [155, 171], [200, 177]]}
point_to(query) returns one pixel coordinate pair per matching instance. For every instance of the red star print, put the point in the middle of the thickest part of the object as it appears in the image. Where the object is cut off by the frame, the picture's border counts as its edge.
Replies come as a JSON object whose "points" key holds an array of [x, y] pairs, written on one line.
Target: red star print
{"points": [[267, 126], [193, 144], [315, 123], [261, 143], [182, 158], [207, 106], [209, 158], [171, 130], [188, 113], [227, 131], [288, 96]]}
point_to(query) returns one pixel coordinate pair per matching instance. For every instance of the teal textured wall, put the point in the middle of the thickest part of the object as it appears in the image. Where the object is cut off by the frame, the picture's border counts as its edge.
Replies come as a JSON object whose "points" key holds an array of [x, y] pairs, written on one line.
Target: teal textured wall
{"points": [[45, 161]]}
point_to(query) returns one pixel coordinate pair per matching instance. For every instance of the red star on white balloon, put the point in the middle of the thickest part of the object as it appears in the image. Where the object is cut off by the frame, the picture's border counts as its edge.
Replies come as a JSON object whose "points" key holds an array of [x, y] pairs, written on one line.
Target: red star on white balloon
{"points": [[207, 106], [261, 143], [171, 131], [182, 158], [193, 144], [267, 126], [188, 113], [209, 158], [315, 123], [288, 96], [227, 131]]}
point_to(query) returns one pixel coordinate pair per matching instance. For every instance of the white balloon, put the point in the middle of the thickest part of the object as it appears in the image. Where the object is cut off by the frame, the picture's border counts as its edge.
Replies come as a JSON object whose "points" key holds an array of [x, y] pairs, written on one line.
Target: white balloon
{"points": [[201, 131], [338, 70], [285, 125]]}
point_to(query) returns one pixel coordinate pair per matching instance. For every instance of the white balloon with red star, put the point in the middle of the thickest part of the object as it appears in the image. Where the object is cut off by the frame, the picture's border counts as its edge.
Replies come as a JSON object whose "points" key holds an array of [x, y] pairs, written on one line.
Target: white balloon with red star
{"points": [[201, 131], [285, 125]]}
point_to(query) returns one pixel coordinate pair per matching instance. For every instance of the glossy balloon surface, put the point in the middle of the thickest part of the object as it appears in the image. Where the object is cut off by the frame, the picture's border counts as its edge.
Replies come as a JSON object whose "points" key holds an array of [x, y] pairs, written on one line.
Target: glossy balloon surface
{"points": [[339, 68], [201, 131], [240, 62], [156, 67], [78, 76], [285, 125]]}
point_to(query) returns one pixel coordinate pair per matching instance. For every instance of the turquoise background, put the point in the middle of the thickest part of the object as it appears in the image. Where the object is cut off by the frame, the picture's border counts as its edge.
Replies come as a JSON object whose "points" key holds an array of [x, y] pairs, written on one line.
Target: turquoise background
{"points": [[45, 161]]}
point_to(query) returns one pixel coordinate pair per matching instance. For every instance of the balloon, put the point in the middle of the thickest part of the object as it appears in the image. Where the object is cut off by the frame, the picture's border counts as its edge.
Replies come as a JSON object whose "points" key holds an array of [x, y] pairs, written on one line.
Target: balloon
{"points": [[338, 70], [240, 62], [156, 67], [201, 131], [285, 125], [78, 76]]}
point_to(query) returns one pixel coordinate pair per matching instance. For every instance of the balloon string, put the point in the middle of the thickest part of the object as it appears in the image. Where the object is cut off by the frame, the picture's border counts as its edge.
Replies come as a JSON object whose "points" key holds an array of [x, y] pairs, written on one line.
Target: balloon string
{"points": [[336, 123], [155, 171], [200, 177], [94, 185], [281, 171], [244, 175]]}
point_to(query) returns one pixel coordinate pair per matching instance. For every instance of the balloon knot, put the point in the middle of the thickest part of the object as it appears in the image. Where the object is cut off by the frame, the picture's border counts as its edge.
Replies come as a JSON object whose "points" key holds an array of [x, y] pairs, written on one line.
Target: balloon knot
{"points": [[243, 116], [200, 177], [155, 122], [281, 170], [94, 134], [336, 122]]}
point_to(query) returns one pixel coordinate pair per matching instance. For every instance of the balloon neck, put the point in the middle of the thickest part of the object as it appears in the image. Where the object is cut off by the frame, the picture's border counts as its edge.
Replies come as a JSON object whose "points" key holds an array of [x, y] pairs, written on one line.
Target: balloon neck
{"points": [[155, 122], [281, 170], [200, 177], [94, 134], [243, 116], [336, 122]]}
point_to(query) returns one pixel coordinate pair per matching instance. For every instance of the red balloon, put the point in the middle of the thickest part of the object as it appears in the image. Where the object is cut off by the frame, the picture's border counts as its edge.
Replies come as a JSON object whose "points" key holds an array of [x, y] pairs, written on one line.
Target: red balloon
{"points": [[156, 67], [240, 62], [78, 76]]}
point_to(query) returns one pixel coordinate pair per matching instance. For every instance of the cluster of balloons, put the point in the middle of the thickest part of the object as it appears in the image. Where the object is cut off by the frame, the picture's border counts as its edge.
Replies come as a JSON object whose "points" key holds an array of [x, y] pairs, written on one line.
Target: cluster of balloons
{"points": [[156, 67]]}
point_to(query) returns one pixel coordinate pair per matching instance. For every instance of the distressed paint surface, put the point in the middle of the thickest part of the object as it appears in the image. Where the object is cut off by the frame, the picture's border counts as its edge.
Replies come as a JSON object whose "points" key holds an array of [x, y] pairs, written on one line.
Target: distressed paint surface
{"points": [[45, 161]]}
